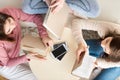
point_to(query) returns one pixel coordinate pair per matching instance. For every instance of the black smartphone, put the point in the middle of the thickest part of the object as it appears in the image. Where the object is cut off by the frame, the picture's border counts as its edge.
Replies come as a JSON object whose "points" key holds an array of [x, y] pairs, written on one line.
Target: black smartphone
{"points": [[59, 52]]}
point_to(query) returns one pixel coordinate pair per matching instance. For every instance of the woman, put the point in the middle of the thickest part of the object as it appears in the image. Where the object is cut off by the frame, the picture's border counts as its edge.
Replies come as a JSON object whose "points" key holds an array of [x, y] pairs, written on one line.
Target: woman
{"points": [[87, 8], [11, 66], [107, 49]]}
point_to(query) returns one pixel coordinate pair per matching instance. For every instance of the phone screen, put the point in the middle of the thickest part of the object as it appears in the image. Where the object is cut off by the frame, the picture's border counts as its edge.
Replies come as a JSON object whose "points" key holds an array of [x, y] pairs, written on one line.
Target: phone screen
{"points": [[59, 52], [60, 57]]}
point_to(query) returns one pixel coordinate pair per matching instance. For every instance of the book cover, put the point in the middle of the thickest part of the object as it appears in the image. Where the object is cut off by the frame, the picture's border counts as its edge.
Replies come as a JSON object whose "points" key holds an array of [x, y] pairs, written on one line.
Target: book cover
{"points": [[55, 22]]}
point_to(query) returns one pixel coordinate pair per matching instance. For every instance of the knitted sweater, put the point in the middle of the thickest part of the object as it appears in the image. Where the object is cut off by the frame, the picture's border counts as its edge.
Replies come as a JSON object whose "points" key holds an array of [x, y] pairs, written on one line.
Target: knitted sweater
{"points": [[102, 28]]}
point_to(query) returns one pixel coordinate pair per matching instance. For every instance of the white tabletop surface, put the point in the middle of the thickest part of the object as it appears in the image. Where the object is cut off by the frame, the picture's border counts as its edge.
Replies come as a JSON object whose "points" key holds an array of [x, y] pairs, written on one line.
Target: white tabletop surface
{"points": [[51, 69]]}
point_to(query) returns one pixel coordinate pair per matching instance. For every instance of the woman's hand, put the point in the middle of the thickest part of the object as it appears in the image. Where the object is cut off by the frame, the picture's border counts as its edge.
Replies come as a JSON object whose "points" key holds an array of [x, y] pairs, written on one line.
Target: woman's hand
{"points": [[47, 41], [32, 55], [102, 63], [56, 5], [81, 50]]}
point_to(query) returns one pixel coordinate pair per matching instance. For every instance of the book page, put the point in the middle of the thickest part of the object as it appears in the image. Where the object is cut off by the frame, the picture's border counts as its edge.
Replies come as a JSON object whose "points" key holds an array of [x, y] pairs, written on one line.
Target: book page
{"points": [[84, 69]]}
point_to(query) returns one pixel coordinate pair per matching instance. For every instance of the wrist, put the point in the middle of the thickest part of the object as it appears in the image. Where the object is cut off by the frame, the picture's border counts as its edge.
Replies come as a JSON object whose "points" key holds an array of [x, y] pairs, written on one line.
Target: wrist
{"points": [[44, 37], [82, 44], [27, 56]]}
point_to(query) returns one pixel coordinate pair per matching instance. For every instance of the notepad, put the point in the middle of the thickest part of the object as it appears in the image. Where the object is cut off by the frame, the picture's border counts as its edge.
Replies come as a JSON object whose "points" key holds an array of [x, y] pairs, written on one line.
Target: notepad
{"points": [[56, 22]]}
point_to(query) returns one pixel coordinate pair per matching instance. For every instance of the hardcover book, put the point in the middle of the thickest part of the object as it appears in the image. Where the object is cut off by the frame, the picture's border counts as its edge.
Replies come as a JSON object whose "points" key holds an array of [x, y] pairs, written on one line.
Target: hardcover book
{"points": [[55, 22]]}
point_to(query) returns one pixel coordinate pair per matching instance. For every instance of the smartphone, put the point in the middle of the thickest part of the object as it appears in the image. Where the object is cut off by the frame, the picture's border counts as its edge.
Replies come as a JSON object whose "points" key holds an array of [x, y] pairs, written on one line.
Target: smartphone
{"points": [[59, 52], [58, 44]]}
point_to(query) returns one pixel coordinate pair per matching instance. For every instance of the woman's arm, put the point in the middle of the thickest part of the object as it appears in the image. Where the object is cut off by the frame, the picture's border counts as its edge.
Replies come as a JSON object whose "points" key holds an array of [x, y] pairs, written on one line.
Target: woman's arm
{"points": [[102, 27], [37, 19], [77, 33], [5, 60], [15, 61], [105, 64]]}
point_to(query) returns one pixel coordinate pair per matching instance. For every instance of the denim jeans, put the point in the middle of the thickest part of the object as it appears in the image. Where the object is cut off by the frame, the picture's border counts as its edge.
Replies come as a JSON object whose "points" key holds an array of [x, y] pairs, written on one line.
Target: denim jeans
{"points": [[88, 8], [109, 74]]}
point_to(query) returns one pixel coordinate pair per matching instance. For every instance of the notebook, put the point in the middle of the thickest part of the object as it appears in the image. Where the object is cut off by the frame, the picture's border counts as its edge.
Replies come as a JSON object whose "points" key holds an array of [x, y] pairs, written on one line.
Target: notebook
{"points": [[33, 44], [55, 22]]}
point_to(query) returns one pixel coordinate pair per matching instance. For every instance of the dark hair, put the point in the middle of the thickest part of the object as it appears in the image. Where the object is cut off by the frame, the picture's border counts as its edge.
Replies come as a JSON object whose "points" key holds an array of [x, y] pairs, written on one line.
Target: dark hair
{"points": [[3, 36], [114, 56]]}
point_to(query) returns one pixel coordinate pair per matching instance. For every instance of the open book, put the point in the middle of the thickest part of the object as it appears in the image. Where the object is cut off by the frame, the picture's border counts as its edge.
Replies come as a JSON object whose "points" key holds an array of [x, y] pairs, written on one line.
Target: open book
{"points": [[55, 22], [85, 67], [33, 44]]}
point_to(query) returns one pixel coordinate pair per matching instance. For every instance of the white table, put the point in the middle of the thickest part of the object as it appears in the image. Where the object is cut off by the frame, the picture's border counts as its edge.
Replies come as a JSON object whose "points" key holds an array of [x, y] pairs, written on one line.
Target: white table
{"points": [[52, 69]]}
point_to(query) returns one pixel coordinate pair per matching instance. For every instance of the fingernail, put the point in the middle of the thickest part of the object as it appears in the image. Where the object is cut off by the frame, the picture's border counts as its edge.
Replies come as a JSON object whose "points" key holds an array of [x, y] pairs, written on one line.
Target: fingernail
{"points": [[28, 59], [47, 44]]}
